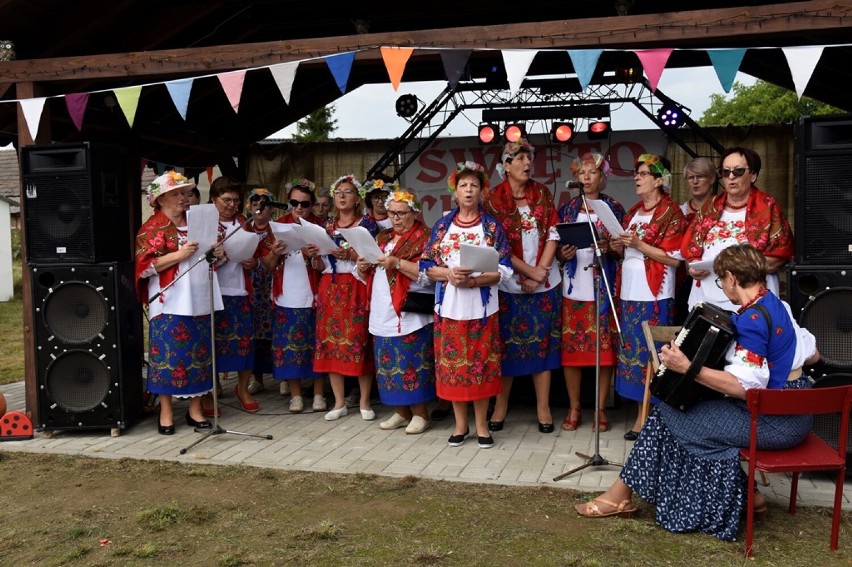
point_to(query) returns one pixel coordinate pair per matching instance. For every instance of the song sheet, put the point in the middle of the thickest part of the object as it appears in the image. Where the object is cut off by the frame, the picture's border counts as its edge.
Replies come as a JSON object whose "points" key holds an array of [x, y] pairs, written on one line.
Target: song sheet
{"points": [[316, 235], [363, 242], [478, 258], [607, 217]]}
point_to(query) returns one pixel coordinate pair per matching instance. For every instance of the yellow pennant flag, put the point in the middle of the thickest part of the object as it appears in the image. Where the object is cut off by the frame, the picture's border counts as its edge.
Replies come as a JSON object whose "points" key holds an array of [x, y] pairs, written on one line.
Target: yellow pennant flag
{"points": [[128, 100]]}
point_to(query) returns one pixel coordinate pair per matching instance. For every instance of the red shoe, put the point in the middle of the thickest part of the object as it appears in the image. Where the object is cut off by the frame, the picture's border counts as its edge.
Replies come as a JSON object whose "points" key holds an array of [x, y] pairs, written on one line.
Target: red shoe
{"points": [[572, 420], [208, 410], [604, 422], [251, 406]]}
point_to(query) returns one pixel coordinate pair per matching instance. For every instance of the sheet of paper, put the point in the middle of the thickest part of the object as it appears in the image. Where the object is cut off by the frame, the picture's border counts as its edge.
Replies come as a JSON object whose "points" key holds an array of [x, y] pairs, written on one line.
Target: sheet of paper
{"points": [[478, 258], [363, 243], [241, 245], [202, 223], [316, 235], [288, 233], [607, 217], [705, 265]]}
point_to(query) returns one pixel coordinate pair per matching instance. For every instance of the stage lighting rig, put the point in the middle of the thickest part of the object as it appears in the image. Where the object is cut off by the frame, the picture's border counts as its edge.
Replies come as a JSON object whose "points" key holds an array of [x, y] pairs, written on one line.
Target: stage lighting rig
{"points": [[671, 116], [489, 133], [514, 131], [599, 129], [406, 106], [562, 132]]}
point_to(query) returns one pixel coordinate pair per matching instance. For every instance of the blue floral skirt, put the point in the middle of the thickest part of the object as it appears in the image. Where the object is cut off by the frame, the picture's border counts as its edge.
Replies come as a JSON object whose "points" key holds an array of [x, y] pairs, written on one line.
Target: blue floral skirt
{"points": [[633, 357], [179, 361], [293, 342], [234, 335], [531, 329], [405, 368]]}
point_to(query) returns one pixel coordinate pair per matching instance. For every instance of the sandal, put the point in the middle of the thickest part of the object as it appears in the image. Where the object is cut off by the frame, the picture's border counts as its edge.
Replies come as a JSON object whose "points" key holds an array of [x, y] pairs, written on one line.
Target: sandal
{"points": [[760, 509], [572, 420], [591, 509], [604, 422]]}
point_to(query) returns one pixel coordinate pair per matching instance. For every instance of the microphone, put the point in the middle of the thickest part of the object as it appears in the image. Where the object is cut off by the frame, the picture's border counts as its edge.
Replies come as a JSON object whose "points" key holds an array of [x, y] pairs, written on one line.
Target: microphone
{"points": [[574, 185], [264, 203]]}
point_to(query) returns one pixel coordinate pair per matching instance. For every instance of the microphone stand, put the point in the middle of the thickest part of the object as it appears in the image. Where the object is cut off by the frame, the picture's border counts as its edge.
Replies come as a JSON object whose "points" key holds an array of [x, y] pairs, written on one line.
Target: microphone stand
{"points": [[215, 428], [597, 266]]}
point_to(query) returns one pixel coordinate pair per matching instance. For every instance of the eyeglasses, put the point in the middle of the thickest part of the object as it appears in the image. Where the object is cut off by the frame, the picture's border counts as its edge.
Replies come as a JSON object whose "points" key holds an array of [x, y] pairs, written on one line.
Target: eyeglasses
{"points": [[398, 214], [344, 193], [737, 171], [379, 197], [719, 283], [642, 173], [694, 178], [229, 200], [304, 204]]}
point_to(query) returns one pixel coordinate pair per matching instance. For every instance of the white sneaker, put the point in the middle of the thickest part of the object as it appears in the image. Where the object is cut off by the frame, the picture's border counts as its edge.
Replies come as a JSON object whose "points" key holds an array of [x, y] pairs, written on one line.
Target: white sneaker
{"points": [[336, 414], [394, 422], [284, 388], [296, 404], [368, 414], [255, 385], [319, 403], [417, 426]]}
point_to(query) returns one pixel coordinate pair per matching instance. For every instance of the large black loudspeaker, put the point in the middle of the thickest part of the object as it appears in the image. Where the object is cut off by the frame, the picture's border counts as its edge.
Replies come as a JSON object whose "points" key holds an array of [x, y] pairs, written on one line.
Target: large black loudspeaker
{"points": [[821, 300], [824, 191], [88, 340], [76, 203]]}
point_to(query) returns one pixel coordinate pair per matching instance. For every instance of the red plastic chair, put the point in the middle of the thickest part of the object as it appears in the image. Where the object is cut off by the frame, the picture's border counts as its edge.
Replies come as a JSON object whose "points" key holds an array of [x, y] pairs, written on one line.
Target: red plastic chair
{"points": [[813, 454]]}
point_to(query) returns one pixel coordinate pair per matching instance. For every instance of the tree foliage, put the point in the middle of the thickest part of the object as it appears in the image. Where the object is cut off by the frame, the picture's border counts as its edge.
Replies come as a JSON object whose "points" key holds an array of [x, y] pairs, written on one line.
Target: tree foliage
{"points": [[316, 126], [761, 103]]}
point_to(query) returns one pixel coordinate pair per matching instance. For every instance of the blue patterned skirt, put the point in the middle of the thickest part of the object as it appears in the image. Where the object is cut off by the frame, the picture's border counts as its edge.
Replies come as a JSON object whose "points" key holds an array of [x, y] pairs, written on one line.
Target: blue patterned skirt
{"points": [[633, 358], [531, 329], [234, 335], [688, 465], [405, 368], [293, 342], [179, 362], [262, 308]]}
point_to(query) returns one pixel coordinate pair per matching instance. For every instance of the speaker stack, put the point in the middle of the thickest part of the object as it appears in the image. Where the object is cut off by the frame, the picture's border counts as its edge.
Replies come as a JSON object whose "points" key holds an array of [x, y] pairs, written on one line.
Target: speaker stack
{"points": [[87, 320], [820, 282]]}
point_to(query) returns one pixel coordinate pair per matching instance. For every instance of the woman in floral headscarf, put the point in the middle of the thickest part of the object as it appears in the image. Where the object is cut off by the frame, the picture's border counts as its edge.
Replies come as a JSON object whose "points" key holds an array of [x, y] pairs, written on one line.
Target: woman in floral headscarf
{"points": [[179, 353], [580, 320], [650, 246], [530, 303], [467, 329], [343, 337]]}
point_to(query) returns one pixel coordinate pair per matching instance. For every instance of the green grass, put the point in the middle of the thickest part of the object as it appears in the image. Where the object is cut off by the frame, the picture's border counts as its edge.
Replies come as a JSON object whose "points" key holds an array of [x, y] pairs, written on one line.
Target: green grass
{"points": [[11, 323]]}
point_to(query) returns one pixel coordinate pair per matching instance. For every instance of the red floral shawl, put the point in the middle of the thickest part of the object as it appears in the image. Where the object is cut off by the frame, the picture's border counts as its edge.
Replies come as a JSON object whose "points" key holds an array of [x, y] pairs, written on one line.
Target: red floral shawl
{"points": [[766, 227], [278, 274], [499, 202], [409, 247], [157, 237], [665, 231]]}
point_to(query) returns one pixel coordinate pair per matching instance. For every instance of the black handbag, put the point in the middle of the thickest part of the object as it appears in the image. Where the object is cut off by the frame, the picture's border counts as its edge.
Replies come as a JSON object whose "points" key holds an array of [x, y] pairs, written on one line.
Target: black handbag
{"points": [[419, 302]]}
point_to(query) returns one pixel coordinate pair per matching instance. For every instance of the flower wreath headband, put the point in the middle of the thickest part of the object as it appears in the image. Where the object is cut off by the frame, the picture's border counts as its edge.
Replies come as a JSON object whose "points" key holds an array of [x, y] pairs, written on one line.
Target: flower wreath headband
{"points": [[163, 184], [354, 181], [402, 196], [512, 149], [465, 166], [304, 183], [655, 165], [379, 185]]}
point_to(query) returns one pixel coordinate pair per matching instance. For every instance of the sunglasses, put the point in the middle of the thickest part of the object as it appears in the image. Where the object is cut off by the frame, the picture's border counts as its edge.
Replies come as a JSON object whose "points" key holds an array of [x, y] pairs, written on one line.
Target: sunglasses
{"points": [[737, 172], [304, 204]]}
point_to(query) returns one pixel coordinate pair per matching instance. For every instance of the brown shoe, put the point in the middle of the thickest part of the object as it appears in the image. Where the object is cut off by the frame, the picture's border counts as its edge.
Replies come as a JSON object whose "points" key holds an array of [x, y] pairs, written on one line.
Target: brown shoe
{"points": [[572, 420]]}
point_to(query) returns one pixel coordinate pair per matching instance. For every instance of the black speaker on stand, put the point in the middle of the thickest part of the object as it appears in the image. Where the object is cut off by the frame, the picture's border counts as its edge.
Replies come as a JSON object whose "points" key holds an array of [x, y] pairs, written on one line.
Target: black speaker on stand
{"points": [[88, 338]]}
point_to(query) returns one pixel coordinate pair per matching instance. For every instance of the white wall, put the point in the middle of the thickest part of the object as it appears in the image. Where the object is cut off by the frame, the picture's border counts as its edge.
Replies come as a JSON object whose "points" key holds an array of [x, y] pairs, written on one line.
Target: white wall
{"points": [[7, 289]]}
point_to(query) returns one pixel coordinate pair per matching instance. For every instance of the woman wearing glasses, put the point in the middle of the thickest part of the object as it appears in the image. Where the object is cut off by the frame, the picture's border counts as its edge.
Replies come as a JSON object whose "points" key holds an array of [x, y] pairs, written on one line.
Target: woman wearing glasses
{"points": [[650, 247], [742, 213], [343, 340], [295, 279]]}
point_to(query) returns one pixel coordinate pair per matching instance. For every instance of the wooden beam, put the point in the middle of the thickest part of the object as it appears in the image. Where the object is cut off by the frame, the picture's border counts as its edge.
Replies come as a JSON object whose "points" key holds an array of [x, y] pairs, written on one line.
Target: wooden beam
{"points": [[734, 27]]}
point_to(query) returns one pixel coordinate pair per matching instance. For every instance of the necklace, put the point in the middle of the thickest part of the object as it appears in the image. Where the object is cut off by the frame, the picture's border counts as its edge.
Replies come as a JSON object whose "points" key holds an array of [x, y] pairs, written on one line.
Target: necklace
{"points": [[652, 207], [730, 205], [692, 207], [521, 198], [350, 225], [466, 224]]}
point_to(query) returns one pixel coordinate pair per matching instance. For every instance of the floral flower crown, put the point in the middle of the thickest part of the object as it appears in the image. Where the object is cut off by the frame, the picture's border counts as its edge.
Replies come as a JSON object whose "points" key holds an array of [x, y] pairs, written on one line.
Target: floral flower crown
{"points": [[510, 150], [351, 179], [593, 156], [304, 183], [379, 185], [656, 166], [166, 182], [465, 166], [402, 196]]}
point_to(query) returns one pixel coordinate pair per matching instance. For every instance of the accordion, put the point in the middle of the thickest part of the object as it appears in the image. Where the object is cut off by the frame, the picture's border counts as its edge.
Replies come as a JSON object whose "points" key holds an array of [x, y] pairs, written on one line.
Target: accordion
{"points": [[705, 337]]}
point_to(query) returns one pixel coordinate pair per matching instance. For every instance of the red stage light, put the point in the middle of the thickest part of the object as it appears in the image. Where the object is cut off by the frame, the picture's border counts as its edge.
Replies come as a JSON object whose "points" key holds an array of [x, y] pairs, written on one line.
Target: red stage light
{"points": [[599, 130], [515, 132], [488, 133], [562, 132]]}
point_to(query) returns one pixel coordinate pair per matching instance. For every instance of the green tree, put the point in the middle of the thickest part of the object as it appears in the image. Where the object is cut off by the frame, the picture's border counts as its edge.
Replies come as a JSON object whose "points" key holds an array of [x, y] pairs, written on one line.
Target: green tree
{"points": [[761, 103], [316, 126]]}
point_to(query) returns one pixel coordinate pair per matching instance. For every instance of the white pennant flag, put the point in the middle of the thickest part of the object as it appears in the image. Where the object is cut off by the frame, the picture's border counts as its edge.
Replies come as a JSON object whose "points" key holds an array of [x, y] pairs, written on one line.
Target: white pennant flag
{"points": [[284, 75], [33, 108], [517, 63], [802, 62]]}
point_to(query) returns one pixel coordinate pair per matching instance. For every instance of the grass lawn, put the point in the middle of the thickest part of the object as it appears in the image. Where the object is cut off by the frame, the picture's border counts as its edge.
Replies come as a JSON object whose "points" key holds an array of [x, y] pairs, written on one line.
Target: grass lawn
{"points": [[11, 325]]}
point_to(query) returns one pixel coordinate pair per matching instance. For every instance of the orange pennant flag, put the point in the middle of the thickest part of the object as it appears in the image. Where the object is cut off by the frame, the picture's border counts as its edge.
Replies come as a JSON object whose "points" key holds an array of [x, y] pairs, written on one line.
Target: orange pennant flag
{"points": [[395, 59]]}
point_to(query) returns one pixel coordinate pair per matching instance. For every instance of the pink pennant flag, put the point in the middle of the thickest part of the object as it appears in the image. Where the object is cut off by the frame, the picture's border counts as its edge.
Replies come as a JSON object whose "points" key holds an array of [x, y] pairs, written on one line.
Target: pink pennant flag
{"points": [[77, 103], [654, 61], [232, 84]]}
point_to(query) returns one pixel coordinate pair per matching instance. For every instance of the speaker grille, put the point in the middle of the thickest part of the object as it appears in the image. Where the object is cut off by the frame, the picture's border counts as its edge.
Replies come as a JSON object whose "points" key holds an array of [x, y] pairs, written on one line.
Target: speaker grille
{"points": [[77, 381], [827, 214], [829, 317], [76, 313], [827, 425]]}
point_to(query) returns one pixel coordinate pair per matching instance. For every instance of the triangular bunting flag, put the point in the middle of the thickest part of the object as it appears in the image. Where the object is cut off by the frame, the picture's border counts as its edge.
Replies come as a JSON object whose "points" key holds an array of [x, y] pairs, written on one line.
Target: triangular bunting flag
{"points": [[32, 109], [802, 62], [395, 59], [726, 63], [517, 63], [455, 61], [340, 66], [584, 61], [77, 103], [128, 100], [654, 61], [209, 175], [284, 75], [232, 84], [179, 91]]}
